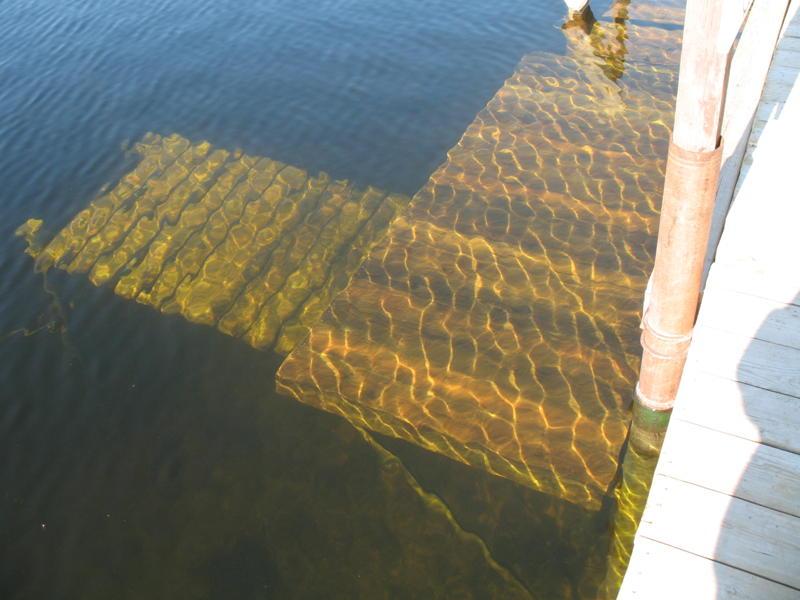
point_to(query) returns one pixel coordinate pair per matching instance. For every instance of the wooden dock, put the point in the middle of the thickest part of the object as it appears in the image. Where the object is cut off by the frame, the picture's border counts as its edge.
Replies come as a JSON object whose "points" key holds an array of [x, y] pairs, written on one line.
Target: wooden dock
{"points": [[723, 516]]}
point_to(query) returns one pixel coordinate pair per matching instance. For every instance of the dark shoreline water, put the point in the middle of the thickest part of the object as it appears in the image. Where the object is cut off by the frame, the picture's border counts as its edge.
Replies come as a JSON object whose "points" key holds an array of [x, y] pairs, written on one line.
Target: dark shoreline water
{"points": [[144, 456]]}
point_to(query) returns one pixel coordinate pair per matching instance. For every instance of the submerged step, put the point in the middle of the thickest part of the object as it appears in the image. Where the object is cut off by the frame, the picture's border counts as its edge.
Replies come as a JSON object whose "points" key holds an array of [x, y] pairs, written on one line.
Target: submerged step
{"points": [[249, 245], [497, 322]]}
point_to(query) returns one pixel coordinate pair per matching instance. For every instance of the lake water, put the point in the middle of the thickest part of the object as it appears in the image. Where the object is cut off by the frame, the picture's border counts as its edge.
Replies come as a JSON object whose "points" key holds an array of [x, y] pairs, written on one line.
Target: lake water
{"points": [[147, 455]]}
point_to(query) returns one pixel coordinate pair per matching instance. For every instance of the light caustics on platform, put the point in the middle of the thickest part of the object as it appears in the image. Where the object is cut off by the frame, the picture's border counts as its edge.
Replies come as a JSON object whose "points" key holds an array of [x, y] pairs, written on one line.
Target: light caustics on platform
{"points": [[494, 318], [498, 321]]}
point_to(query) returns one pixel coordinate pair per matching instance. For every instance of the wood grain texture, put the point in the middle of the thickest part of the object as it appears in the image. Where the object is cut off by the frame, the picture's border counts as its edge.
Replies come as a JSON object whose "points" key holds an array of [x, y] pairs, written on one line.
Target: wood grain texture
{"points": [[737, 533], [732, 465], [681, 574], [743, 314], [738, 409]]}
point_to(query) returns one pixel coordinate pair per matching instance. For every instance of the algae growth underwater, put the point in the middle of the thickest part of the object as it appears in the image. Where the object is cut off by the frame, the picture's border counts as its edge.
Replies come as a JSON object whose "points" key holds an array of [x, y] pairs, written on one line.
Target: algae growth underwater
{"points": [[428, 225]]}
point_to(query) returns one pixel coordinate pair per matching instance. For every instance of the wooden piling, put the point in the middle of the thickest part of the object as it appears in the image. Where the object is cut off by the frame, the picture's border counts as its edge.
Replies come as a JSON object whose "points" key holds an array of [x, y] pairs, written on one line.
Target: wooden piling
{"points": [[690, 186]]}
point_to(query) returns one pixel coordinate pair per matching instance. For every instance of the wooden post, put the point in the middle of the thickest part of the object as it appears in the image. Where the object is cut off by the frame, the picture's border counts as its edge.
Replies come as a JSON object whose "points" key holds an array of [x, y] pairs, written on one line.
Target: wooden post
{"points": [[748, 73], [576, 6], [690, 187]]}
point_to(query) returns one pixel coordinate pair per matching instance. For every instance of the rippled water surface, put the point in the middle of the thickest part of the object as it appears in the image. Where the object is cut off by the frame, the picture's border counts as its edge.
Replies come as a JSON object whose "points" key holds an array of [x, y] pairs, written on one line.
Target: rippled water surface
{"points": [[146, 456]]}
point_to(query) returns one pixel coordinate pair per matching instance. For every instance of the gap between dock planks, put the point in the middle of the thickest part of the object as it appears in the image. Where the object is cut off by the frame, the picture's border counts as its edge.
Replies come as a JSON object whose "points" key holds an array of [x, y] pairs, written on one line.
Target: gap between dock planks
{"points": [[733, 466], [731, 531]]}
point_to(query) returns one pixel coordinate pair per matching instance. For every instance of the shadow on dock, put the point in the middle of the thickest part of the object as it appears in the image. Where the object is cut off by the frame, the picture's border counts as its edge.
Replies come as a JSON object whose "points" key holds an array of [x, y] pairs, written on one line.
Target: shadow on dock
{"points": [[750, 504], [752, 534]]}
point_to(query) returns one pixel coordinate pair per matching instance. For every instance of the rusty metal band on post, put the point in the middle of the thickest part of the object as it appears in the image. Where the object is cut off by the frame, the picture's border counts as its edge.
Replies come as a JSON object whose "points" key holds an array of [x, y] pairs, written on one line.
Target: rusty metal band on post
{"points": [[690, 187]]}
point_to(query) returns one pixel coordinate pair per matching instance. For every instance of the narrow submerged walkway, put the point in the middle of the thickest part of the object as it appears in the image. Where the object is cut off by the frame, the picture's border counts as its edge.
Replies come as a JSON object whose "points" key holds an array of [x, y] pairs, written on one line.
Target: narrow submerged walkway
{"points": [[249, 245], [723, 516]]}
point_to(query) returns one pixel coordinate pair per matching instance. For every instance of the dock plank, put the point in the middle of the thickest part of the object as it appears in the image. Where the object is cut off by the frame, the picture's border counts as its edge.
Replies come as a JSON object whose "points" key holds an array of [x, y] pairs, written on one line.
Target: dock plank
{"points": [[743, 314], [768, 110], [732, 465], [755, 362], [738, 409], [790, 44], [786, 56], [685, 575], [732, 531], [756, 280], [792, 28], [779, 86]]}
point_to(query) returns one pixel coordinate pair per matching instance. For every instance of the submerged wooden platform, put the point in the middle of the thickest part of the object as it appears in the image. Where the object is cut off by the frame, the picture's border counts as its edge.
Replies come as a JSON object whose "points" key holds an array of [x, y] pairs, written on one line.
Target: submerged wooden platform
{"points": [[494, 318], [723, 516], [497, 322]]}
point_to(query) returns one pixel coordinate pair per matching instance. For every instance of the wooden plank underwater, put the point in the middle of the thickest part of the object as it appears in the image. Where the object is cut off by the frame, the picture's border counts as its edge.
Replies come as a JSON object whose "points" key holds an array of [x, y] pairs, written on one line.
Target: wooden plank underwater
{"points": [[249, 245], [498, 321], [495, 321]]}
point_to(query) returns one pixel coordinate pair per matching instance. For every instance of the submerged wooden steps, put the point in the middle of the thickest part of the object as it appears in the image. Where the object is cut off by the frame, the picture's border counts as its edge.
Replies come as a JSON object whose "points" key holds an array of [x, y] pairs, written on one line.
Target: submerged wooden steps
{"points": [[498, 320], [249, 245]]}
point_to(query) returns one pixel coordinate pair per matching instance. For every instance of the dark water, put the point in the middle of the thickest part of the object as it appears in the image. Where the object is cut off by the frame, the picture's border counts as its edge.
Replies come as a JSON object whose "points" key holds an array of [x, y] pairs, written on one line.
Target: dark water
{"points": [[143, 456]]}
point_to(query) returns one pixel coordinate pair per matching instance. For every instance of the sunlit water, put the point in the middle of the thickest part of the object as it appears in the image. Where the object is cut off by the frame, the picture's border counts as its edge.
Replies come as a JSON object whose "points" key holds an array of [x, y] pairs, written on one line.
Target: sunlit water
{"points": [[147, 456]]}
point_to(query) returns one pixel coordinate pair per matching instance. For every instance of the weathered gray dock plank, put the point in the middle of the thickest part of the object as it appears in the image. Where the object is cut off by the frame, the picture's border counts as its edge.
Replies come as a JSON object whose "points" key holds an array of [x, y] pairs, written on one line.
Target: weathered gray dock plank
{"points": [[740, 410], [729, 530], [733, 466], [754, 317], [755, 362], [756, 280]]}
